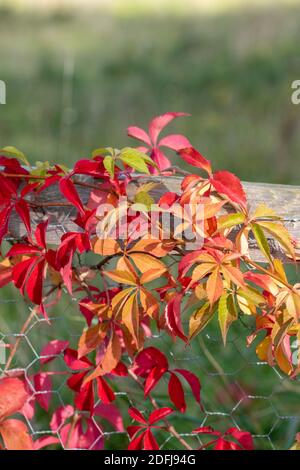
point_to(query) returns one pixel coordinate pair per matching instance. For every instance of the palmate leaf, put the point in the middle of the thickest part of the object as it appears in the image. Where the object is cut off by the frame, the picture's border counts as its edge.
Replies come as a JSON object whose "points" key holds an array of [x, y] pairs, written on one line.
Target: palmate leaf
{"points": [[136, 159], [281, 234]]}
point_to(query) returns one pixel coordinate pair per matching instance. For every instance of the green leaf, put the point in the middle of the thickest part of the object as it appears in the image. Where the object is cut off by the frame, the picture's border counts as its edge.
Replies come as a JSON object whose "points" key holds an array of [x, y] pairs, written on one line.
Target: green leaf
{"points": [[262, 242], [16, 153], [103, 151], [144, 198], [136, 159], [230, 220], [226, 314], [109, 165], [280, 232], [41, 169], [252, 295]]}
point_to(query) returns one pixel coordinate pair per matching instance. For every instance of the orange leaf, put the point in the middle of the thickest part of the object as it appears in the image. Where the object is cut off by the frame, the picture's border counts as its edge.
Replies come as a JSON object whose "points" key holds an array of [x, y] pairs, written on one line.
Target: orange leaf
{"points": [[123, 277], [145, 262], [13, 396], [151, 275], [130, 317], [110, 359], [214, 286], [91, 338], [15, 435], [106, 246], [149, 303], [153, 246]]}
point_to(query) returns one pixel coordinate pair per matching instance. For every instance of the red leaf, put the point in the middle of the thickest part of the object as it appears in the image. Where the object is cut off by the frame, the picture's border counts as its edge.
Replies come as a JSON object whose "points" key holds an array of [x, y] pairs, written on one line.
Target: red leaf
{"points": [[149, 358], [43, 384], [4, 219], [222, 444], [45, 441], [168, 199], [227, 183], [75, 381], [13, 396], [173, 317], [40, 234], [121, 370], [159, 414], [174, 142], [23, 211], [206, 430], [160, 159], [34, 286], [176, 393], [72, 361], [139, 134], [243, 437], [52, 349], [84, 399], [153, 379], [136, 415], [68, 190], [149, 441], [112, 414], [193, 157], [105, 393], [20, 272], [158, 123], [193, 382], [20, 249], [133, 430], [137, 443], [60, 416]]}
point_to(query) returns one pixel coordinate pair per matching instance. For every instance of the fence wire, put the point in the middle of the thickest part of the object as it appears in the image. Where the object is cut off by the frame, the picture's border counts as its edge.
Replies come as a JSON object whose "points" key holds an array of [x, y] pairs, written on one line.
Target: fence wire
{"points": [[237, 389]]}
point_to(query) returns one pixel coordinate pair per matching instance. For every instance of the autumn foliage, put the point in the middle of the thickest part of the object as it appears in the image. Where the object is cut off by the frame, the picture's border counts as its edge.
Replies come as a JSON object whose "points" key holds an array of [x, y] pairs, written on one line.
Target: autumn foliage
{"points": [[134, 286]]}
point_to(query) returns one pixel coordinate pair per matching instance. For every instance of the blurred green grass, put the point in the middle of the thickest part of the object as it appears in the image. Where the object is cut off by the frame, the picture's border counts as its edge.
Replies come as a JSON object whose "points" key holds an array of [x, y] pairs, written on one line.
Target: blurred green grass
{"points": [[76, 80], [232, 71]]}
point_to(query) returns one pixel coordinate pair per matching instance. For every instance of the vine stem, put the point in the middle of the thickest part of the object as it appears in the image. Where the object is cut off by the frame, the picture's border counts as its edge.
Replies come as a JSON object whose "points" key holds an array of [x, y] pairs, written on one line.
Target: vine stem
{"points": [[169, 426], [17, 343]]}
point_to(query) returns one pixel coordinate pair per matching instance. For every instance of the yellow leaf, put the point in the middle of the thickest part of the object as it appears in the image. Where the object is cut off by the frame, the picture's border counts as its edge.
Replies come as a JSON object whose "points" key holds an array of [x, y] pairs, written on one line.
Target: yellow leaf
{"points": [[144, 262], [122, 277], [281, 234], [199, 320], [264, 212], [130, 317]]}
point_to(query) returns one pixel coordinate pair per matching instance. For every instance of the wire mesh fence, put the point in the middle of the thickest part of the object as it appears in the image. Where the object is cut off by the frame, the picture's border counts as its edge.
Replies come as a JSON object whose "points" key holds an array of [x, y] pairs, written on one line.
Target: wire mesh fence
{"points": [[237, 389]]}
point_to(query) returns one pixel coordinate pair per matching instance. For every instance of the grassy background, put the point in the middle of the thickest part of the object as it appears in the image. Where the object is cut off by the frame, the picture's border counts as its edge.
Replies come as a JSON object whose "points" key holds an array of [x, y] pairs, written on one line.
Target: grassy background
{"points": [[76, 78]]}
